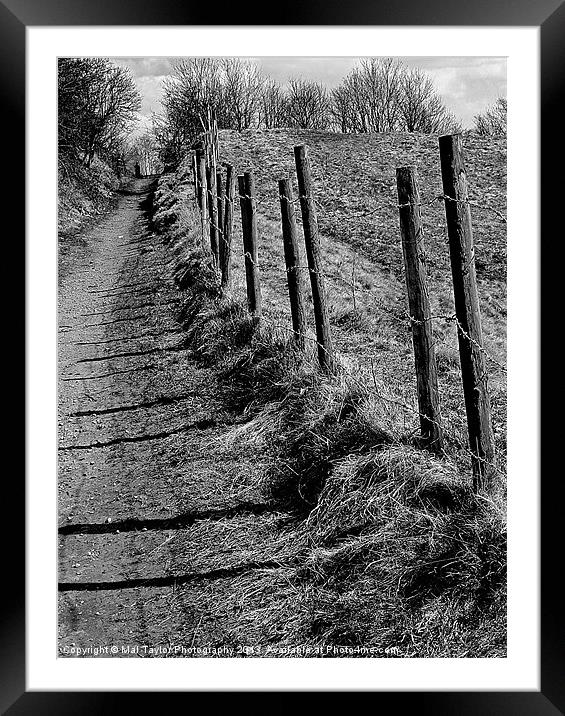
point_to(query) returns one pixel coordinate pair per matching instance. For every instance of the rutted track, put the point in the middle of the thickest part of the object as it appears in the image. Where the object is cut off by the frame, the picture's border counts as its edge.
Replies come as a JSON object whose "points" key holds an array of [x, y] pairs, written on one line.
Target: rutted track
{"points": [[151, 496]]}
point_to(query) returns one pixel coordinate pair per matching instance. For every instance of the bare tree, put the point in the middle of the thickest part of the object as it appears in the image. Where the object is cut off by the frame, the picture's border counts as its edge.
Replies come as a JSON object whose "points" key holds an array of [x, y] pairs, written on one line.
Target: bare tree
{"points": [[368, 98], [194, 88], [342, 109], [274, 106], [241, 87], [384, 83], [97, 101], [228, 89], [421, 108], [492, 123], [144, 150]]}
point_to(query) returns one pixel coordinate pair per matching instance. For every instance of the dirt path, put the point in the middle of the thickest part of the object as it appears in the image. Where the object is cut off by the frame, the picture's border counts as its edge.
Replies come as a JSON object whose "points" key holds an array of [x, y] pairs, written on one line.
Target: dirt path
{"points": [[161, 539]]}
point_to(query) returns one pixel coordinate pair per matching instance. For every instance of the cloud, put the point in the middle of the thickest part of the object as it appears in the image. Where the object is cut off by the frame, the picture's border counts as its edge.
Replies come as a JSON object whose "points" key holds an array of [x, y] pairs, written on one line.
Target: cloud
{"points": [[151, 89], [329, 70], [469, 88], [146, 66]]}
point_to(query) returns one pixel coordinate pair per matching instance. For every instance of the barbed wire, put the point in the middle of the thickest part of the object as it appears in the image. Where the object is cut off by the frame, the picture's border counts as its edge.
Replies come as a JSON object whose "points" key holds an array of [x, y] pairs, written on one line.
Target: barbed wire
{"points": [[456, 439], [436, 198], [445, 197], [450, 318]]}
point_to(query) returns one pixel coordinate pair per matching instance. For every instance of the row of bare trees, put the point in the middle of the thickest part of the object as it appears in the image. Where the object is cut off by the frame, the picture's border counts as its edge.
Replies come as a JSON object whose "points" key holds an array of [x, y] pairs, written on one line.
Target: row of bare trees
{"points": [[378, 95], [97, 101]]}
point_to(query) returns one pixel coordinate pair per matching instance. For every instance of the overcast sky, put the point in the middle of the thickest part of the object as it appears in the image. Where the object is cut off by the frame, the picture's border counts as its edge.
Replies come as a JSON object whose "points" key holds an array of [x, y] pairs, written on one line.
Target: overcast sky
{"points": [[466, 84]]}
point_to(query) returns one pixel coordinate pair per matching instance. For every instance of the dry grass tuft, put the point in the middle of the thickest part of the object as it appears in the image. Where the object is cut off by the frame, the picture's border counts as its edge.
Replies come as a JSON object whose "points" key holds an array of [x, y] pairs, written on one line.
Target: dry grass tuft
{"points": [[351, 319], [217, 329], [324, 423], [196, 271], [262, 372], [397, 477]]}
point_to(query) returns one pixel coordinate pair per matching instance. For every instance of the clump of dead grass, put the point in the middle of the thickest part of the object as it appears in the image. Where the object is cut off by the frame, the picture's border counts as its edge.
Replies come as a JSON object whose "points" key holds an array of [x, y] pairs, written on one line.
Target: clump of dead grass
{"points": [[351, 319], [217, 329], [262, 371], [197, 271], [381, 486], [399, 557]]}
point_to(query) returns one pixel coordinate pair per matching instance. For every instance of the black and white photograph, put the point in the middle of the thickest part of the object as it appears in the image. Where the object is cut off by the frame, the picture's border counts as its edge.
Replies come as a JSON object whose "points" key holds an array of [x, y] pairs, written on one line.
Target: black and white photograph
{"points": [[282, 357]]}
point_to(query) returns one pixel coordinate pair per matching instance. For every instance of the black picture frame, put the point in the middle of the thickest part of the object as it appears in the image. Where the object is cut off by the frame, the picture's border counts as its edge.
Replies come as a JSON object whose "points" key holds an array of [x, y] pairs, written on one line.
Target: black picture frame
{"points": [[549, 16]]}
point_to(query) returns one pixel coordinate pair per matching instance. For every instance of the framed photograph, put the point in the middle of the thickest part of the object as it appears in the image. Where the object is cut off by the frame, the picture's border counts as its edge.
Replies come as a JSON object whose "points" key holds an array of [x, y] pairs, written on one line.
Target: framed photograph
{"points": [[283, 366]]}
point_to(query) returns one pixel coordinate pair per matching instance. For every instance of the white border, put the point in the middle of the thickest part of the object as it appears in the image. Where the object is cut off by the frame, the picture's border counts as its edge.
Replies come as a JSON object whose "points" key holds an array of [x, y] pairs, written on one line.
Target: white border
{"points": [[520, 670]]}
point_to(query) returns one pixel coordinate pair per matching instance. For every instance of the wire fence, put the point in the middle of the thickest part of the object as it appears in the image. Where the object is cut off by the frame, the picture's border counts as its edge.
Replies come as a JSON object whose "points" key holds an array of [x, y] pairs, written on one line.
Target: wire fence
{"points": [[319, 210]]}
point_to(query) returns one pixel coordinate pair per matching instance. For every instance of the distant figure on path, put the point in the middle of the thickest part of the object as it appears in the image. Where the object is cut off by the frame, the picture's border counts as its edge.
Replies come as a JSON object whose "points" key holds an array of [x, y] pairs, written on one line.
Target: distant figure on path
{"points": [[137, 170]]}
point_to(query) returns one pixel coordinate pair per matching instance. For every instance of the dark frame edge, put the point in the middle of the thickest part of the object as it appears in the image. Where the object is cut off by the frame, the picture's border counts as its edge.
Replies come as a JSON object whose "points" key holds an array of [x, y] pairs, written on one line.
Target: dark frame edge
{"points": [[12, 92], [552, 67]]}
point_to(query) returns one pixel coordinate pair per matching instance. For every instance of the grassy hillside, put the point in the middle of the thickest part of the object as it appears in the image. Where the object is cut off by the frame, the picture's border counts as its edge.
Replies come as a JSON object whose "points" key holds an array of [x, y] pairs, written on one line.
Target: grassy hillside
{"points": [[391, 548]]}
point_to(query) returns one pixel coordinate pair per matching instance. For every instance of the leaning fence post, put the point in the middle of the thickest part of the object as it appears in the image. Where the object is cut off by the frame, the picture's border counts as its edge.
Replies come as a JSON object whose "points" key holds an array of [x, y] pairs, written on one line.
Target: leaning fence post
{"points": [[419, 306], [292, 261], [249, 226], [220, 209], [225, 246], [469, 331], [213, 210], [203, 198], [314, 256]]}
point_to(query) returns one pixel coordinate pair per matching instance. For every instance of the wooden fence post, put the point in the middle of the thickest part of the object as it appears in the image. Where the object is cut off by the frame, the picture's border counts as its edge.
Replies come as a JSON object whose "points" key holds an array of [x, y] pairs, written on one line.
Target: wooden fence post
{"points": [[469, 331], [292, 261], [195, 177], [225, 250], [313, 253], [419, 306], [199, 154], [203, 198], [249, 226], [213, 210]]}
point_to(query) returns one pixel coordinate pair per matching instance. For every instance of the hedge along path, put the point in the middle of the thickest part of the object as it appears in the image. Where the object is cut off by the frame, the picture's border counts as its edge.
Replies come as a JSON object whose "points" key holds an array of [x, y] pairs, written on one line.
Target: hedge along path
{"points": [[154, 538]]}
